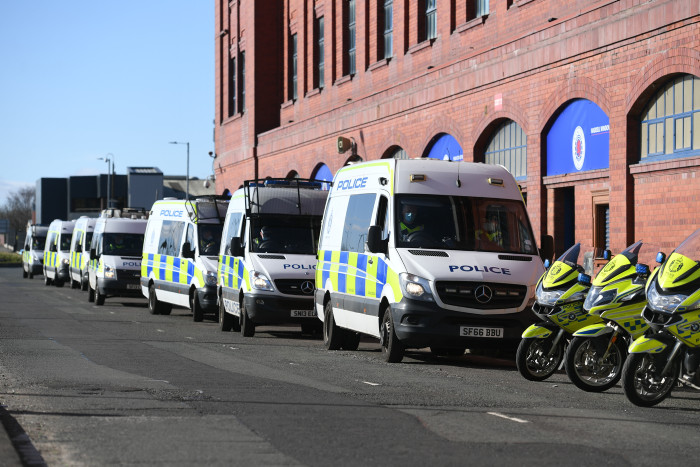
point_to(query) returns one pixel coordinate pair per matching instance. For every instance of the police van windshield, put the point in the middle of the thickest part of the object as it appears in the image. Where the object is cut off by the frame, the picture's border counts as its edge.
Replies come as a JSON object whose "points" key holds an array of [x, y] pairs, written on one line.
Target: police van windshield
{"points": [[209, 238], [122, 244], [292, 234], [463, 223], [38, 243], [65, 242]]}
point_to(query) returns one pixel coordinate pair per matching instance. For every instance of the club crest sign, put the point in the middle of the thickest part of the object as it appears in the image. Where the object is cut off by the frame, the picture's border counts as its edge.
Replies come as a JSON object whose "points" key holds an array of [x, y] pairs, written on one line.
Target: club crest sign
{"points": [[578, 148]]}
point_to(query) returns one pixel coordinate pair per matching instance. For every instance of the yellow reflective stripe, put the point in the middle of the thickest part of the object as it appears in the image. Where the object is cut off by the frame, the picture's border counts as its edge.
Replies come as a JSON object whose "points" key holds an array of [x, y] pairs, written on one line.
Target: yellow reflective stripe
{"points": [[334, 267], [351, 275], [371, 282], [183, 271], [169, 268], [393, 280]]}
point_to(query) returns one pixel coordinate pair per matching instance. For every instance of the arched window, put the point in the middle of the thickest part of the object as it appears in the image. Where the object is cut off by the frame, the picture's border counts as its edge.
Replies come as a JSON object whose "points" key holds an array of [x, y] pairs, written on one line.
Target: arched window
{"points": [[353, 160], [292, 174], [322, 172], [395, 152], [508, 147], [444, 147], [671, 122]]}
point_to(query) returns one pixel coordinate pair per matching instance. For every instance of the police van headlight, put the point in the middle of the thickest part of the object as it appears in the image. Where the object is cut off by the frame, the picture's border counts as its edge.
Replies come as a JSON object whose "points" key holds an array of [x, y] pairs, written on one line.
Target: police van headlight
{"points": [[260, 281], [415, 287], [210, 278], [65, 261], [110, 272]]}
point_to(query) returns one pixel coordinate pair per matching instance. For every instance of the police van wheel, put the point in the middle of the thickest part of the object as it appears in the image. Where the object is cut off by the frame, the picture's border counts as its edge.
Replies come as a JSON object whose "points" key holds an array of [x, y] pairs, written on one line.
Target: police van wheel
{"points": [[332, 334], [197, 311], [226, 320], [83, 284], [74, 284], [153, 303], [99, 298], [58, 283], [91, 294], [31, 276], [247, 325], [392, 348], [351, 340]]}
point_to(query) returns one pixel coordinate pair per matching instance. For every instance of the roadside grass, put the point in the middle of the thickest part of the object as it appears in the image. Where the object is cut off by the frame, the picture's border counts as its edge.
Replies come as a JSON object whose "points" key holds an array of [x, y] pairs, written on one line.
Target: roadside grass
{"points": [[10, 258]]}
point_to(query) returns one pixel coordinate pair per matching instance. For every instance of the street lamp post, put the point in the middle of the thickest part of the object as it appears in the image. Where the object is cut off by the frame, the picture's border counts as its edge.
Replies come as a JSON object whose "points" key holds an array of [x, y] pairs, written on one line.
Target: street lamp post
{"points": [[109, 157], [187, 184]]}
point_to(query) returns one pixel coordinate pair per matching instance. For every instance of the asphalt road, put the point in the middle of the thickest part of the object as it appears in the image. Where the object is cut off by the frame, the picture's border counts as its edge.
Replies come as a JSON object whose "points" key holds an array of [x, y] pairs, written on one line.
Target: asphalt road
{"points": [[115, 385]]}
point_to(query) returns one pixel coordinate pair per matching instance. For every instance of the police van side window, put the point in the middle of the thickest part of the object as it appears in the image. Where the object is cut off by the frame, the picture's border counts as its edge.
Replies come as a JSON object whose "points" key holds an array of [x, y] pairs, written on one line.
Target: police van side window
{"points": [[357, 222], [170, 238], [383, 216], [189, 237], [234, 223]]}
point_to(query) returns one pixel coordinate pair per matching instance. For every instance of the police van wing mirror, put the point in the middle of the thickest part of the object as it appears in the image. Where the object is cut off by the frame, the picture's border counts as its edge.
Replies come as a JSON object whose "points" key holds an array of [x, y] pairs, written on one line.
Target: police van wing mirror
{"points": [[93, 254], [375, 244], [53, 248], [187, 250], [236, 247], [547, 250]]}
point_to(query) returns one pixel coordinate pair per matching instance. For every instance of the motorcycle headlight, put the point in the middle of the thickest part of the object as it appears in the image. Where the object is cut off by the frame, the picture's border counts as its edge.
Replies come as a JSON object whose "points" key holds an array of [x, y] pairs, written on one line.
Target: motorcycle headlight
{"points": [[547, 297], [110, 272], [664, 303], [597, 298], [415, 287], [210, 278], [260, 281]]}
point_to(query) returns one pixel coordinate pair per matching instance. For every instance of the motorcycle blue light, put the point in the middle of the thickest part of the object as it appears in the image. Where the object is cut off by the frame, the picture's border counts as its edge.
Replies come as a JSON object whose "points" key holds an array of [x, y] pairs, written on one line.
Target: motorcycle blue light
{"points": [[547, 264], [660, 257], [607, 254], [584, 278], [642, 269]]}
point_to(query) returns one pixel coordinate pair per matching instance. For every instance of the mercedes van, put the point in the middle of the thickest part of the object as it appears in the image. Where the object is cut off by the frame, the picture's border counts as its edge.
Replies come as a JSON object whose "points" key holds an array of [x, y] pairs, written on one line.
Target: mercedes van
{"points": [[57, 252]]}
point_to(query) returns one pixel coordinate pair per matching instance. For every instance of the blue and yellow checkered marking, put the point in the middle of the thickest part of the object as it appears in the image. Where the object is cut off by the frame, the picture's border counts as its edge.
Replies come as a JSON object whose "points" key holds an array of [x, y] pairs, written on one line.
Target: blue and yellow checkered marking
{"points": [[170, 269], [232, 272], [356, 274]]}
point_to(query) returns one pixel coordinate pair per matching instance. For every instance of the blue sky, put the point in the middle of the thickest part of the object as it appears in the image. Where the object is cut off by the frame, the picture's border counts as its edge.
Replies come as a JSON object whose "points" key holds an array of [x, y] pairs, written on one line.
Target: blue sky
{"points": [[83, 78]]}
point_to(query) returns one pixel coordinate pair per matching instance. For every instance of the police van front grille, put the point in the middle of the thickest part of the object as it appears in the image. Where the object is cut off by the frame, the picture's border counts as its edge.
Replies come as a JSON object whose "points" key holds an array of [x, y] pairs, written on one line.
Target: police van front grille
{"points": [[128, 273], [481, 295], [271, 256], [514, 258], [295, 286], [429, 253]]}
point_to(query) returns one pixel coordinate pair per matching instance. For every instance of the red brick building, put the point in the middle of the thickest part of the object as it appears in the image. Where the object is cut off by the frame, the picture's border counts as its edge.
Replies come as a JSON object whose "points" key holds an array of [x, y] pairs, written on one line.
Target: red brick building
{"points": [[594, 106]]}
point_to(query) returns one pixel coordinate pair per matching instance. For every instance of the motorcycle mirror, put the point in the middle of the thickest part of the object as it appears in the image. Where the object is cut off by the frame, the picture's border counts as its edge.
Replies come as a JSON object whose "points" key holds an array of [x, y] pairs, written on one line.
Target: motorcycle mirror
{"points": [[584, 279], [660, 257], [607, 255], [642, 269], [546, 264]]}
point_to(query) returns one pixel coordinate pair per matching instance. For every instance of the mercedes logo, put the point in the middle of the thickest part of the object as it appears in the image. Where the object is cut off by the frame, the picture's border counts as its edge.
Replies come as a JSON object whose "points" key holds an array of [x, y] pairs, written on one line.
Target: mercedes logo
{"points": [[307, 287], [483, 294]]}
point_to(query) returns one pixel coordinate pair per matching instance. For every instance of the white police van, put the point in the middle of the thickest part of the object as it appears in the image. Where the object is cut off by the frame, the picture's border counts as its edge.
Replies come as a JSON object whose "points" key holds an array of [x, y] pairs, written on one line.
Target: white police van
{"points": [[57, 252], [268, 255], [114, 269], [181, 254], [425, 253], [80, 252], [33, 250]]}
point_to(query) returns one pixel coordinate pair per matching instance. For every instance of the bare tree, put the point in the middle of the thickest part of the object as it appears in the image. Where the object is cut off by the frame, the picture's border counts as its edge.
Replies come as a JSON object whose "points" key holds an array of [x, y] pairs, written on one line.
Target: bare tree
{"points": [[17, 210]]}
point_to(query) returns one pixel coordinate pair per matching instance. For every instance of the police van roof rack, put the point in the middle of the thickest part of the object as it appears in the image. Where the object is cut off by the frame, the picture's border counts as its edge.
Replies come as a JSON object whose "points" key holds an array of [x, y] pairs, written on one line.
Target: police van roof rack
{"points": [[298, 183], [133, 213], [194, 213]]}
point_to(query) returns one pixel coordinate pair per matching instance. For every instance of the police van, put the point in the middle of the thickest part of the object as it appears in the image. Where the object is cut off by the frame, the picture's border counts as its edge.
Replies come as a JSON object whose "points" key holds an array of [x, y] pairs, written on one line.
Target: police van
{"points": [[114, 269], [33, 250], [425, 253], [80, 252], [57, 252], [268, 255], [181, 254]]}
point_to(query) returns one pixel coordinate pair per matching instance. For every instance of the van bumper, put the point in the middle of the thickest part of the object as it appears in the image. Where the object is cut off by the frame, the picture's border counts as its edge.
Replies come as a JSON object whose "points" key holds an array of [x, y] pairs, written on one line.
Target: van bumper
{"points": [[420, 324], [62, 274], [271, 309], [207, 298], [119, 287]]}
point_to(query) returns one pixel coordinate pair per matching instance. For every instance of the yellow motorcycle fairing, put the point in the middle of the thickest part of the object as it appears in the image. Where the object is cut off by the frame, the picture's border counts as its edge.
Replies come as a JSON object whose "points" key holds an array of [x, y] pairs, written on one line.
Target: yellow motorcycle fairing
{"points": [[573, 317], [594, 330], [646, 345], [535, 331], [611, 272], [688, 329], [629, 317], [677, 271], [558, 274]]}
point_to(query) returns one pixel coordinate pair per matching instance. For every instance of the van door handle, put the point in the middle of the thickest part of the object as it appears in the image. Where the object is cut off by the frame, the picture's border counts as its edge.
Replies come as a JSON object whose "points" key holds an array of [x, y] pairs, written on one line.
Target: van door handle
{"points": [[370, 261]]}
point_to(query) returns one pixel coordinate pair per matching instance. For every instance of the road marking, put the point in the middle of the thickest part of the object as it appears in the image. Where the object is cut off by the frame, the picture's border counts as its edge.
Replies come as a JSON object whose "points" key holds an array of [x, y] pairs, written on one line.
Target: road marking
{"points": [[190, 338], [496, 414], [371, 384], [160, 330]]}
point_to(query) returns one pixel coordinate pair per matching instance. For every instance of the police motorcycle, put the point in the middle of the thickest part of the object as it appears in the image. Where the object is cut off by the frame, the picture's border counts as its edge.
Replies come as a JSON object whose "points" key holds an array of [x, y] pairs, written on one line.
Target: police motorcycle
{"points": [[670, 351], [595, 355], [559, 301]]}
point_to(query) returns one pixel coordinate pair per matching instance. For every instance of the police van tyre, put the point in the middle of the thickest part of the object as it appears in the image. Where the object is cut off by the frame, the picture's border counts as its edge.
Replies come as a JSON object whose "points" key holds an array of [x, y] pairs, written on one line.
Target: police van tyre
{"points": [[47, 281], [99, 298], [392, 348], [247, 326], [91, 294], [58, 282], [156, 307], [31, 275], [351, 340], [226, 320], [196, 307], [83, 284], [332, 334]]}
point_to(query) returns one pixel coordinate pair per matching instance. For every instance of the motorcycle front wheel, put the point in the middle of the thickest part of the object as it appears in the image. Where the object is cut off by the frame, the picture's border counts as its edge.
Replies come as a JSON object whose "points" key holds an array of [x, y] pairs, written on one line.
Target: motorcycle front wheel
{"points": [[533, 358], [642, 380], [586, 367]]}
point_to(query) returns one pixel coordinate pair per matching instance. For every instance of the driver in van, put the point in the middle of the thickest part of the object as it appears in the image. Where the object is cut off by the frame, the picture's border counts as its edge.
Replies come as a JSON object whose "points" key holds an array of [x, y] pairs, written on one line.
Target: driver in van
{"points": [[490, 228], [207, 243], [409, 224]]}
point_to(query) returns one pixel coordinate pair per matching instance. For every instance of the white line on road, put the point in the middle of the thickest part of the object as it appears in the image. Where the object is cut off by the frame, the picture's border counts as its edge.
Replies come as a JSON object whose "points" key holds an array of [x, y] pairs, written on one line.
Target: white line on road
{"points": [[496, 414], [371, 384]]}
